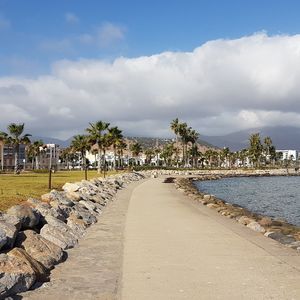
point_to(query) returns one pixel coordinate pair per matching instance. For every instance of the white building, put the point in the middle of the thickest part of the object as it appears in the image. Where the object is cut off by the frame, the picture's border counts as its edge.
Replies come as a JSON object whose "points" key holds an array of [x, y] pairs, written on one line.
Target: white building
{"points": [[288, 154]]}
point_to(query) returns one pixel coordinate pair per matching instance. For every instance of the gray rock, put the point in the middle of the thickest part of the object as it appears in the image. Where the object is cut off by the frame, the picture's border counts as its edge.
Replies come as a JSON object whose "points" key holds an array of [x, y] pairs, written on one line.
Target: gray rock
{"points": [[74, 196], [256, 227], [282, 238], [83, 213], [245, 220], [89, 205], [28, 216], [56, 196], [10, 226], [3, 238], [40, 271], [41, 249], [16, 275], [65, 240], [77, 225], [71, 187]]}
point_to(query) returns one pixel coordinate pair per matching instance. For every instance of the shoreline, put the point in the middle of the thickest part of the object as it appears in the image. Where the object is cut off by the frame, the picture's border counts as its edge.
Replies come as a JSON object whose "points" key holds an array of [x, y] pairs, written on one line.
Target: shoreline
{"points": [[277, 229]]}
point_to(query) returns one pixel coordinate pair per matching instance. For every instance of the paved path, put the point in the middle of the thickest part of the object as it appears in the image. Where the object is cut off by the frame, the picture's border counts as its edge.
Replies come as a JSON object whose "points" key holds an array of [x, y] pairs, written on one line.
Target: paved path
{"points": [[178, 250], [93, 268], [173, 249]]}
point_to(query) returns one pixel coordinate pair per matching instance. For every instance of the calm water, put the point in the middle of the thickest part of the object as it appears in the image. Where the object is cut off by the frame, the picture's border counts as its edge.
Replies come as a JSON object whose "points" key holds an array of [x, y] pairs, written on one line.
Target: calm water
{"points": [[272, 196]]}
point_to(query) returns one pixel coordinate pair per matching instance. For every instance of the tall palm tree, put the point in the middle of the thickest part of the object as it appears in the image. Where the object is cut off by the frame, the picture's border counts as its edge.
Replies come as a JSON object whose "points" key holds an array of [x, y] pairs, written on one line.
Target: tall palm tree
{"points": [[167, 153], [183, 131], [66, 156], [255, 148], [175, 128], [116, 138], [136, 149], [192, 137], [96, 133], [120, 150], [267, 145], [33, 151], [15, 138], [81, 143], [149, 155]]}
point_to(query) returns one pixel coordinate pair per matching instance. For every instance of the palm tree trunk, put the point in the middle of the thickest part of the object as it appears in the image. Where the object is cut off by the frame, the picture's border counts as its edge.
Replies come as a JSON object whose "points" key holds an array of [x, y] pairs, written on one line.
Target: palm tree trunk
{"points": [[37, 162], [115, 159], [99, 160], [16, 159]]}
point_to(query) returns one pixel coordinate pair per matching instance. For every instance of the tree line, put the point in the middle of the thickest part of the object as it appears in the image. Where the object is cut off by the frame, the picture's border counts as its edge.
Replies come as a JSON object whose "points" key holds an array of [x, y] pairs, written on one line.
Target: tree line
{"points": [[183, 151]]}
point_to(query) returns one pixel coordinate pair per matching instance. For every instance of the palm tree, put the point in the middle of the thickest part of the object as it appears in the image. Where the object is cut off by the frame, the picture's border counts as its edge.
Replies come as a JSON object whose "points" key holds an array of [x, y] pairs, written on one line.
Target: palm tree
{"points": [[116, 138], [149, 155], [33, 152], [175, 128], [81, 143], [267, 145], [120, 150], [183, 131], [192, 137], [96, 132], [167, 153], [37, 149], [136, 149], [15, 138], [255, 148]]}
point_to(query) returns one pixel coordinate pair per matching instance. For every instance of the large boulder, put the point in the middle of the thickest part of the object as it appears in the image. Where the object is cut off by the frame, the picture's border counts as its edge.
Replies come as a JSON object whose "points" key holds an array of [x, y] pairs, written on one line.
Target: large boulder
{"points": [[65, 240], [10, 226], [56, 196], [77, 225], [59, 233], [16, 275], [40, 271], [41, 249], [256, 227], [28, 216], [83, 213], [282, 238], [3, 238], [71, 187]]}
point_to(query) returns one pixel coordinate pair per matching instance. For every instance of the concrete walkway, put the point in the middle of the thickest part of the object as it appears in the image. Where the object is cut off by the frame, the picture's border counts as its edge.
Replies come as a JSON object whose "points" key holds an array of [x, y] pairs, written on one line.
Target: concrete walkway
{"points": [[93, 268], [175, 249]]}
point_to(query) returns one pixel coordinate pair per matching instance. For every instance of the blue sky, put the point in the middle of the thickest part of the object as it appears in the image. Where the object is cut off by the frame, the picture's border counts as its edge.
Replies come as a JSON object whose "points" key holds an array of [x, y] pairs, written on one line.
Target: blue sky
{"points": [[220, 65], [36, 33]]}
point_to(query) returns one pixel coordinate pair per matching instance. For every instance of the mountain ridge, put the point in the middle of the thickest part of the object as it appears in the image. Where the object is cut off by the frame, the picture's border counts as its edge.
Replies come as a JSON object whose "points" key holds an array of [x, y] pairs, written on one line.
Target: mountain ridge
{"points": [[283, 137]]}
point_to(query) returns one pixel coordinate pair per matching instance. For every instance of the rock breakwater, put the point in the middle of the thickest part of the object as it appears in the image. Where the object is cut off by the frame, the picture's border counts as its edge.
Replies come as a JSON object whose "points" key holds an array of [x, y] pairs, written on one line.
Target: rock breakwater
{"points": [[35, 235]]}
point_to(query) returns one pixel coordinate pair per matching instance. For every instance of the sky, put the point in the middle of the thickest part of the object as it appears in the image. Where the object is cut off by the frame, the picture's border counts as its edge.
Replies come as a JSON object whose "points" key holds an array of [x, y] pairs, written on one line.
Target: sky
{"points": [[220, 66]]}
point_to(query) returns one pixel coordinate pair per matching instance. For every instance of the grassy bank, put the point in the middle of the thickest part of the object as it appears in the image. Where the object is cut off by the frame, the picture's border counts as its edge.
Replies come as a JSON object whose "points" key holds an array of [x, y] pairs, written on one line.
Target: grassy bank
{"points": [[17, 188]]}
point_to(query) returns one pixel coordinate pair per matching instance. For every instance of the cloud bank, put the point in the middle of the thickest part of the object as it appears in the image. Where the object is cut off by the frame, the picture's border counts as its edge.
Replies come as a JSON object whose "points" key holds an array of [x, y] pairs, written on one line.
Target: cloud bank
{"points": [[220, 87]]}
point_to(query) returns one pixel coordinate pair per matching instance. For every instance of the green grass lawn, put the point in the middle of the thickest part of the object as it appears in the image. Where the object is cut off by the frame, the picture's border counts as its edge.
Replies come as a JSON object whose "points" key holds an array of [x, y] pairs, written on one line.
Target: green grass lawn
{"points": [[17, 188]]}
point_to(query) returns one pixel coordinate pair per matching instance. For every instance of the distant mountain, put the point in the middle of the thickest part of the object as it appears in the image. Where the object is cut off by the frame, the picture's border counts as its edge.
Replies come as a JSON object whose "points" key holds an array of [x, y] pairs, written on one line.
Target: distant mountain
{"points": [[150, 142], [283, 137], [50, 140], [146, 142]]}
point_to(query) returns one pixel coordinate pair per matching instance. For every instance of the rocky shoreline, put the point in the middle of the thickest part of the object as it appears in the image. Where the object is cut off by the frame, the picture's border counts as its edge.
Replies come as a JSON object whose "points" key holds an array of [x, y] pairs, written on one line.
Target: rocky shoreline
{"points": [[276, 229], [35, 235]]}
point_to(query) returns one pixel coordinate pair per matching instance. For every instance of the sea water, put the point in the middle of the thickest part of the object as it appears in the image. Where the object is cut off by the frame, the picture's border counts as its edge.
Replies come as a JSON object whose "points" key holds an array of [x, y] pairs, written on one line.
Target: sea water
{"points": [[277, 197]]}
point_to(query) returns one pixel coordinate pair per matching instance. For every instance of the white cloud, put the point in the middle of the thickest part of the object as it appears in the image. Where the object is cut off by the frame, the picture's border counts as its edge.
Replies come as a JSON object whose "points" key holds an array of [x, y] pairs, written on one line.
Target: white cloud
{"points": [[108, 34], [220, 87], [104, 36], [71, 18]]}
